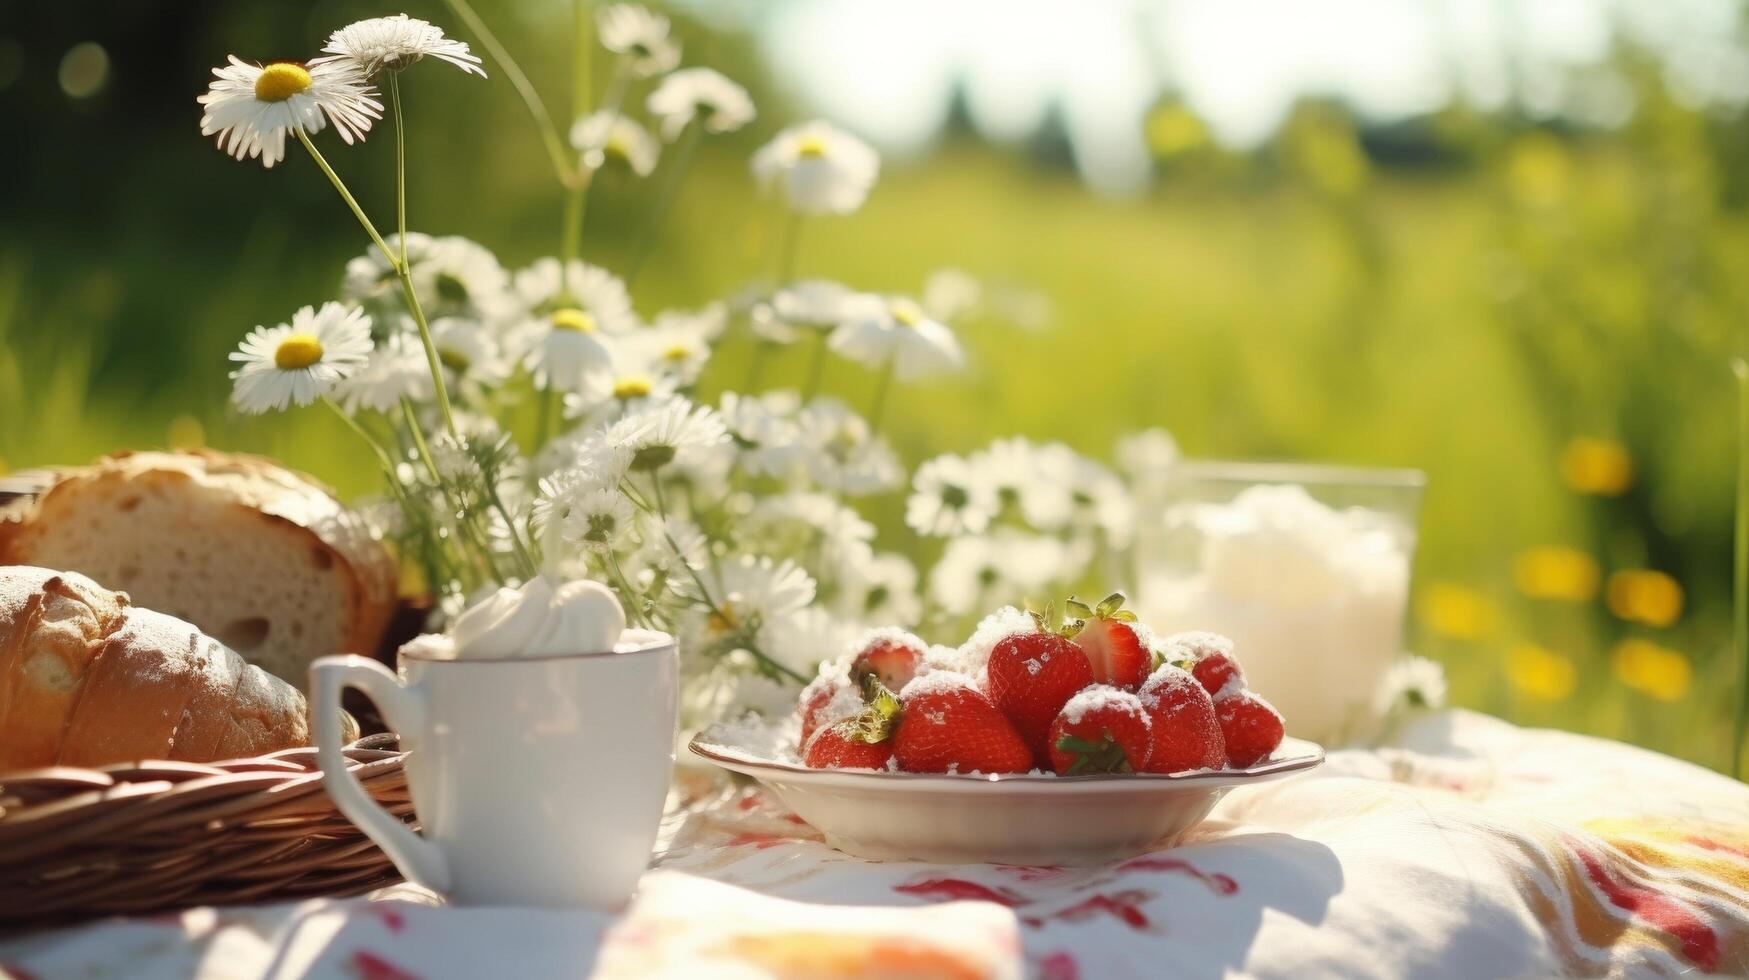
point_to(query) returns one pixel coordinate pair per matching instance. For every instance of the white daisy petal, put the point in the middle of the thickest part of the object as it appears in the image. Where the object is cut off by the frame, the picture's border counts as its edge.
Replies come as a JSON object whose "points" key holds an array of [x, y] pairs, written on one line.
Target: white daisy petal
{"points": [[250, 108], [704, 94], [878, 331], [638, 35], [297, 362], [823, 169], [396, 42], [605, 137]]}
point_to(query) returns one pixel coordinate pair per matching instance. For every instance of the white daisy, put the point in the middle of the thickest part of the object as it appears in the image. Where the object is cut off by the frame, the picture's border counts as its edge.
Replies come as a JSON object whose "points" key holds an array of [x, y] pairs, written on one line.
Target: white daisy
{"points": [[801, 640], [978, 572], [950, 497], [878, 331], [397, 369], [561, 341], [396, 42], [452, 276], [1148, 455], [251, 107], [455, 461], [835, 538], [1098, 499], [883, 590], [605, 135], [640, 36], [298, 362], [630, 383], [678, 347], [1026, 480], [810, 305], [553, 498], [824, 170], [764, 432], [949, 294], [842, 454], [752, 592], [699, 93], [469, 353], [667, 546], [708, 322], [667, 433], [1411, 683], [597, 520]]}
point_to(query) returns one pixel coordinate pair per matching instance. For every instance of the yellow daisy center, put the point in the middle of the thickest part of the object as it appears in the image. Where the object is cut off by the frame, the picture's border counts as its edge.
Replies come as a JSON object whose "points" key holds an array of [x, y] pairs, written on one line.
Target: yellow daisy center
{"points": [[280, 81], [722, 621], [907, 314], [679, 352], [811, 147], [571, 318], [619, 145], [300, 350], [627, 388]]}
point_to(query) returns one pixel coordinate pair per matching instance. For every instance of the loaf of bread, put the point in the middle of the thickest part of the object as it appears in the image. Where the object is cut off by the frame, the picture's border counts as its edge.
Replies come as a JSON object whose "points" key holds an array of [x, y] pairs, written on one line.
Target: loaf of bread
{"points": [[262, 559], [86, 679]]}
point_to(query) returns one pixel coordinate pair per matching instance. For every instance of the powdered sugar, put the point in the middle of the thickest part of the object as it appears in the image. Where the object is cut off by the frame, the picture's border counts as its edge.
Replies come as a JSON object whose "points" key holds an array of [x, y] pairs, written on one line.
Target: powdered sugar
{"points": [[845, 703], [1234, 685], [1003, 623], [885, 635], [935, 682], [1099, 697], [1197, 644], [1166, 678]]}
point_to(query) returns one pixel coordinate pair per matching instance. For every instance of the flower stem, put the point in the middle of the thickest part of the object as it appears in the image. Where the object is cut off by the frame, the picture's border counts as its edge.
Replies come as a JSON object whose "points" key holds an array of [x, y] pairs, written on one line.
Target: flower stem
{"points": [[482, 546], [548, 399], [346, 195], [543, 120], [788, 249], [403, 270], [878, 407], [675, 174], [1740, 570], [577, 192]]}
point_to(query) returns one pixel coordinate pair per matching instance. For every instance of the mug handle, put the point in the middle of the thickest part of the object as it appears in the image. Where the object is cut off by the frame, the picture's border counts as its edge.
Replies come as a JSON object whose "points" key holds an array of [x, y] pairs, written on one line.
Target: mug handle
{"points": [[404, 709]]}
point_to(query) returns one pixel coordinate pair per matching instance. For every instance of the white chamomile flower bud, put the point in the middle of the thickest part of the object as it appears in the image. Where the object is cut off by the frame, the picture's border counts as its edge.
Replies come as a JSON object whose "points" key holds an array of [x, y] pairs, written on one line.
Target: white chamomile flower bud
{"points": [[297, 363], [250, 108], [823, 169]]}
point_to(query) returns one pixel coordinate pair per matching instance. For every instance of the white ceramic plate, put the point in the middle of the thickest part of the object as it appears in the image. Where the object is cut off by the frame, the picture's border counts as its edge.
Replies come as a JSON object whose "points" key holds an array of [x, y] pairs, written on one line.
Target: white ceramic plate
{"points": [[1023, 819]]}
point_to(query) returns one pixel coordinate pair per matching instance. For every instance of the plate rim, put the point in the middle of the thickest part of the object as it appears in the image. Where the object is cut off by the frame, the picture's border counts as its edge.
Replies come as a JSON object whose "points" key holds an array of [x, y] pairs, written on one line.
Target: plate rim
{"points": [[1311, 757]]}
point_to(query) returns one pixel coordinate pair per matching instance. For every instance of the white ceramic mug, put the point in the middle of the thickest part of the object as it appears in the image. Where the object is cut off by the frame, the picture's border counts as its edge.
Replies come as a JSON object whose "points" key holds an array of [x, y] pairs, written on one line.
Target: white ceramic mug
{"points": [[538, 781]]}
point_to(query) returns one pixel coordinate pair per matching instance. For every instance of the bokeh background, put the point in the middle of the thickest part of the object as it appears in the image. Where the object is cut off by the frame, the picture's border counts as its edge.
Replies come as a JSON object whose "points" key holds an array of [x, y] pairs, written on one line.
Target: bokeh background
{"points": [[1504, 242]]}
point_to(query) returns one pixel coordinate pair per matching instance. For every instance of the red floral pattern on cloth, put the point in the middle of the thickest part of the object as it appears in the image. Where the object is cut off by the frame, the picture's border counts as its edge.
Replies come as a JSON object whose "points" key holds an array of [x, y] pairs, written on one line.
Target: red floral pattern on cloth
{"points": [[1470, 848]]}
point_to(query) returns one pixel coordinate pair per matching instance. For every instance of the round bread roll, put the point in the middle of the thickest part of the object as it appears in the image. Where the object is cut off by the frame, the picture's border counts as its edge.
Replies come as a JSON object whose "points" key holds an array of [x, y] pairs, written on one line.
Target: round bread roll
{"points": [[86, 679]]}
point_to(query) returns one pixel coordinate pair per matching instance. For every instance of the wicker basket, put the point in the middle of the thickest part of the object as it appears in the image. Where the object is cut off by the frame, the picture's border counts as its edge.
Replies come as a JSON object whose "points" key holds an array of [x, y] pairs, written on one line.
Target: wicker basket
{"points": [[158, 836]]}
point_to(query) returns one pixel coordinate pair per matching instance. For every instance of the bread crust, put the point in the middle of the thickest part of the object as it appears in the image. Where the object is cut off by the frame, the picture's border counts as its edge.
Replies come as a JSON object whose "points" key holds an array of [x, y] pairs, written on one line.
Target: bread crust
{"points": [[258, 489], [128, 684]]}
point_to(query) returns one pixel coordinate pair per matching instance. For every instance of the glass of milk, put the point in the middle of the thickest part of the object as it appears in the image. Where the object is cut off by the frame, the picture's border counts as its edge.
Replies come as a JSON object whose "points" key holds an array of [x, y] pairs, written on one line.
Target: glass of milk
{"points": [[1305, 567]]}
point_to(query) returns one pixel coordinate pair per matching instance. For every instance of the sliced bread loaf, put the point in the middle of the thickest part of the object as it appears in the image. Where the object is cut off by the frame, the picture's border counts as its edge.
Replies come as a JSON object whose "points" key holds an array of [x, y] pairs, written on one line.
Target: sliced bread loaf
{"points": [[260, 558]]}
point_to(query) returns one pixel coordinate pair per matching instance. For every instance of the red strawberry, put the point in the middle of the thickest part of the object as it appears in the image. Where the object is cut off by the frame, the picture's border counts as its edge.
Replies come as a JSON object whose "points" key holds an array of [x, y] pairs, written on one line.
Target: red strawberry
{"points": [[1102, 729], [1217, 670], [813, 701], [1032, 675], [863, 741], [1187, 735], [1251, 726], [947, 725], [1115, 649], [892, 655], [841, 745]]}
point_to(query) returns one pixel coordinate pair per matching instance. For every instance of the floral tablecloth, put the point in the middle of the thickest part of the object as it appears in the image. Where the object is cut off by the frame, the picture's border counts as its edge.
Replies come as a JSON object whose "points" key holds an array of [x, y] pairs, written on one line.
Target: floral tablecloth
{"points": [[1469, 848]]}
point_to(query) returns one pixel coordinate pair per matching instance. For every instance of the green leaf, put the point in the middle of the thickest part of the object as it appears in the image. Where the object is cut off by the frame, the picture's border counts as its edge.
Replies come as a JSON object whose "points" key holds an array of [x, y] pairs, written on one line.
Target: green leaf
{"points": [[1078, 608]]}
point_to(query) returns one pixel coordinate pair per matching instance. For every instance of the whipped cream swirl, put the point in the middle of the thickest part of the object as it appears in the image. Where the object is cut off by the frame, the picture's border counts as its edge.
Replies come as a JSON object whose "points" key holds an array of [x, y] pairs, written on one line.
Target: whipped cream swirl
{"points": [[540, 620]]}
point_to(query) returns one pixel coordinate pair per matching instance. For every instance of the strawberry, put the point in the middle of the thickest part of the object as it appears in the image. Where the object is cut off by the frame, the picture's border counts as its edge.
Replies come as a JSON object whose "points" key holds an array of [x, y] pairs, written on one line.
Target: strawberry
{"points": [[1102, 729], [863, 741], [840, 745], [892, 655], [1186, 733], [1251, 726], [1115, 649], [1217, 671], [1031, 676], [947, 725], [815, 697]]}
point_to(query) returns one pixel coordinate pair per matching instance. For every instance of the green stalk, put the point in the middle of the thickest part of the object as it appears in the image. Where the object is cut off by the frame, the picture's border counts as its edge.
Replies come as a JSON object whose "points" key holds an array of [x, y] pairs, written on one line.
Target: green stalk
{"points": [[684, 150], [577, 192], [1740, 570], [346, 195], [403, 271], [543, 120], [878, 407]]}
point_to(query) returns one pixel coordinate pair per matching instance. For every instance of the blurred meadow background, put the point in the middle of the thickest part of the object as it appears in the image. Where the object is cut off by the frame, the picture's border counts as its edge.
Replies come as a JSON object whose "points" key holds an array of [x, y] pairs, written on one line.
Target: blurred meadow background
{"points": [[1503, 242]]}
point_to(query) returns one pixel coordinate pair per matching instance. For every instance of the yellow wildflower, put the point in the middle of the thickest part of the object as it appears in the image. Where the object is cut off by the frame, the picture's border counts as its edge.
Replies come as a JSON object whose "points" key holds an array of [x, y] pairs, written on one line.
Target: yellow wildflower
{"points": [[1653, 670], [1641, 595], [1556, 572], [1601, 467], [1541, 673], [1459, 611]]}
